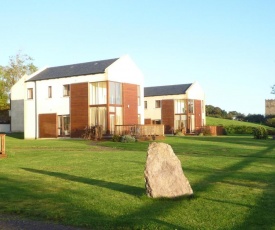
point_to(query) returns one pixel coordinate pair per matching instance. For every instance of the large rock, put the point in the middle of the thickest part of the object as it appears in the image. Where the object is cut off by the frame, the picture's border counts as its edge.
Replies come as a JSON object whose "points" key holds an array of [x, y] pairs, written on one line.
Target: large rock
{"points": [[163, 173]]}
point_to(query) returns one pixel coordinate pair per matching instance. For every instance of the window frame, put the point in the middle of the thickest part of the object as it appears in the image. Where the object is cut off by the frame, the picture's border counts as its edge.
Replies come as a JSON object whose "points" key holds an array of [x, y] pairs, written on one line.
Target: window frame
{"points": [[29, 93], [157, 104], [145, 105], [50, 92], [66, 90]]}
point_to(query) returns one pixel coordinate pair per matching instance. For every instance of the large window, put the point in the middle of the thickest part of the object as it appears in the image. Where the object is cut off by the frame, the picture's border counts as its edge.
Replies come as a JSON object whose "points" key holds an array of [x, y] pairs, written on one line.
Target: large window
{"points": [[98, 93], [191, 106], [180, 122], [99, 117], [30, 93], [138, 95], [179, 106], [115, 93], [66, 90]]}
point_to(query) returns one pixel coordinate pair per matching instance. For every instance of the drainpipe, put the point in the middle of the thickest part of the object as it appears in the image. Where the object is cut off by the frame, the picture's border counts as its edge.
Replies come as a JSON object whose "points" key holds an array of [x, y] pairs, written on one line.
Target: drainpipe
{"points": [[35, 105]]}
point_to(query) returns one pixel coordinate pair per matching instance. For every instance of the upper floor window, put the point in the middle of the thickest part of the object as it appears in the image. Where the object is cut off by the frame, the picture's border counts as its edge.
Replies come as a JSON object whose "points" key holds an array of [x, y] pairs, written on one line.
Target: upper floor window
{"points": [[30, 93], [179, 106], [115, 93], [49, 92], [191, 106], [145, 104], [138, 94], [157, 104], [66, 90], [98, 93]]}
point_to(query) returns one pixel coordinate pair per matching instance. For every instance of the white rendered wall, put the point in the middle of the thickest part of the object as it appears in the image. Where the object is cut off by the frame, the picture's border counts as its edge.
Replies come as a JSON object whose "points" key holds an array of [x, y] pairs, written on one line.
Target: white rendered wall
{"points": [[17, 106], [155, 113], [123, 70], [196, 92], [42, 104]]}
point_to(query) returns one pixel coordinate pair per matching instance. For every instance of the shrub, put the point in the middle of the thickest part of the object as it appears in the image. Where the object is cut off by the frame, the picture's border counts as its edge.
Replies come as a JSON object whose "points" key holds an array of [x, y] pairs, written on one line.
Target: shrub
{"points": [[93, 132], [116, 138], [206, 131], [260, 133], [270, 122], [127, 138], [238, 129], [178, 132]]}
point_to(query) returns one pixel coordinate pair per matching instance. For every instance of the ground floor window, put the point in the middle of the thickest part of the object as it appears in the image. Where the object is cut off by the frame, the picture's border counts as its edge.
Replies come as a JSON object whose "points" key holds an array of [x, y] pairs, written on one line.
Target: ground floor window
{"points": [[64, 127], [180, 122], [98, 116]]}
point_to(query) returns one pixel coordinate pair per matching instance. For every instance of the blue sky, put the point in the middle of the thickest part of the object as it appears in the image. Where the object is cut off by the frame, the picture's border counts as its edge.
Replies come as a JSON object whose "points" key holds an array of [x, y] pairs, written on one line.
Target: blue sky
{"points": [[228, 46]]}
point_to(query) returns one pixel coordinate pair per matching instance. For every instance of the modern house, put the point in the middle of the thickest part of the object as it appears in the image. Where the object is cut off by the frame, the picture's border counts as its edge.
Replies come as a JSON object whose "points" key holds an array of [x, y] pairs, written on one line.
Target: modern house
{"points": [[62, 101], [178, 107]]}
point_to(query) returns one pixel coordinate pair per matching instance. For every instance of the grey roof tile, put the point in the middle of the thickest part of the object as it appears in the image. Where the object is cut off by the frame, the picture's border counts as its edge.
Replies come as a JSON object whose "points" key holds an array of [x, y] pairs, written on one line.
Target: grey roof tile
{"points": [[165, 90], [73, 70]]}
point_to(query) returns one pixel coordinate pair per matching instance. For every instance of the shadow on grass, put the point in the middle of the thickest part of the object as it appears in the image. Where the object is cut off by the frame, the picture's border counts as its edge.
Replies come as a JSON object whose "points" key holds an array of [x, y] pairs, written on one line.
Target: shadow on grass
{"points": [[128, 189], [15, 135], [262, 214]]}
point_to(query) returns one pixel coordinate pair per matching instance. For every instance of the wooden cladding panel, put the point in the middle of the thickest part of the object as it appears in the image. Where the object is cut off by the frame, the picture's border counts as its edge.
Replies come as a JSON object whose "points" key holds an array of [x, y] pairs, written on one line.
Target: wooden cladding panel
{"points": [[198, 120], [147, 121], [79, 99], [167, 115], [130, 104], [47, 125]]}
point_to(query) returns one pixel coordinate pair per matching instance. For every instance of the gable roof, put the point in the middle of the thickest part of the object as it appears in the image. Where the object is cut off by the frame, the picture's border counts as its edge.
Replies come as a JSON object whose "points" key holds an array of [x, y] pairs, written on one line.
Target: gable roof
{"points": [[86, 68], [165, 90]]}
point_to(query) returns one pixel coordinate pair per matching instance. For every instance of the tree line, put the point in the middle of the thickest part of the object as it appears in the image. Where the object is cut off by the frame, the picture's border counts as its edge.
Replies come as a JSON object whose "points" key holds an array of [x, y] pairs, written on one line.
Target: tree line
{"points": [[217, 112]]}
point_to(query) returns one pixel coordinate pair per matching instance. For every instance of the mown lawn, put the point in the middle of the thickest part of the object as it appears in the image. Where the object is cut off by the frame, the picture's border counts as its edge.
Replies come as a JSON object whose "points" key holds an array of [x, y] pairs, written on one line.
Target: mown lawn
{"points": [[101, 185]]}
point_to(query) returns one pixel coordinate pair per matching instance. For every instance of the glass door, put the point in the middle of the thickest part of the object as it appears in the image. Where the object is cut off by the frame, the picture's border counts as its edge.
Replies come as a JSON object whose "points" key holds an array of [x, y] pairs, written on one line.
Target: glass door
{"points": [[64, 125]]}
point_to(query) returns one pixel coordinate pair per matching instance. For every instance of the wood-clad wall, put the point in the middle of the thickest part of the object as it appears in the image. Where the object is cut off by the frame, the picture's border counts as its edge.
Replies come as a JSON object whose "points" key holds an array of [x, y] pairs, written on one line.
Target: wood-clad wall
{"points": [[167, 115], [198, 119], [130, 104], [79, 108], [47, 125]]}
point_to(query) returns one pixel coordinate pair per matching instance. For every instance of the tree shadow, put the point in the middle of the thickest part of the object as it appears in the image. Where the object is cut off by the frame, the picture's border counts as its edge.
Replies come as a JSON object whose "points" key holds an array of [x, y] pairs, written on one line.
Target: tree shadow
{"points": [[263, 211], [128, 189]]}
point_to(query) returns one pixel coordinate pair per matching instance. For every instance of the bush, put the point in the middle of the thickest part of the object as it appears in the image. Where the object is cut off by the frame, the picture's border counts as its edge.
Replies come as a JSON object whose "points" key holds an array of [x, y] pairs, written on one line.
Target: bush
{"points": [[127, 138], [238, 129], [206, 131], [178, 132], [270, 122], [93, 132], [116, 138], [260, 133]]}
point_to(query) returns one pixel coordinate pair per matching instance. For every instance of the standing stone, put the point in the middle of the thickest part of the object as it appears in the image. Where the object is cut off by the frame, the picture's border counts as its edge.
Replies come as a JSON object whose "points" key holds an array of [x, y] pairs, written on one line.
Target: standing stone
{"points": [[163, 173]]}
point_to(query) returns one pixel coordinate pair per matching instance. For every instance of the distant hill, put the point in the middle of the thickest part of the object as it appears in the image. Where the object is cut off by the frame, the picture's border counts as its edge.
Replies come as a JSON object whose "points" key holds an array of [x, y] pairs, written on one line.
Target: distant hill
{"points": [[226, 122]]}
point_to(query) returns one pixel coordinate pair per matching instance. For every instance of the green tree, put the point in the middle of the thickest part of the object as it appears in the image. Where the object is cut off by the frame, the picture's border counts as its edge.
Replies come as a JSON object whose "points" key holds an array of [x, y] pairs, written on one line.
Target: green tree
{"points": [[18, 66], [273, 89]]}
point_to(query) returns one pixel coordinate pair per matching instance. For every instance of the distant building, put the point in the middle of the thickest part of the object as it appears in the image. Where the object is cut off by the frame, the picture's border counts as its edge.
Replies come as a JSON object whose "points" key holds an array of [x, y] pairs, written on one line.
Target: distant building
{"points": [[178, 107], [270, 107]]}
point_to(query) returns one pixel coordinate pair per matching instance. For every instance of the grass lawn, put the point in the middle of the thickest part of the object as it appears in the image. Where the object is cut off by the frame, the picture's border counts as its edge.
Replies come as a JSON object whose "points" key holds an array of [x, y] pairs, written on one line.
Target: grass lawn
{"points": [[101, 185], [226, 122]]}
